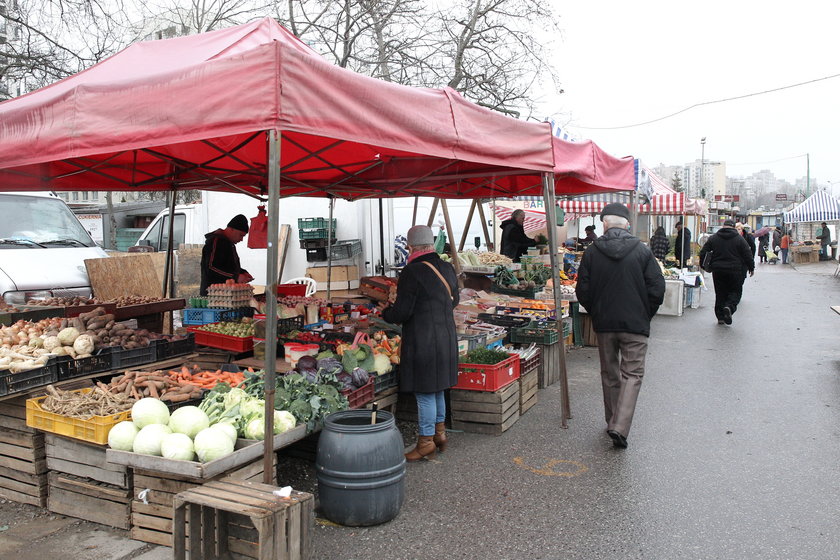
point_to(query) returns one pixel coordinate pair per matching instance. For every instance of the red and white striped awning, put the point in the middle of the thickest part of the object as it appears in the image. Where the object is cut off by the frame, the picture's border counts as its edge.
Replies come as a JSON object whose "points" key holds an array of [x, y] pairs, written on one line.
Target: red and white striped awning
{"points": [[534, 219], [663, 204]]}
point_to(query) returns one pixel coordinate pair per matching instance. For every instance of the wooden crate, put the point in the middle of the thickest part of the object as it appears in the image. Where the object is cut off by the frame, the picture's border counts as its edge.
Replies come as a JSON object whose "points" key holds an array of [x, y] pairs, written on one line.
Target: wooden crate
{"points": [[550, 365], [590, 337], [23, 468], [86, 460], [485, 412], [406, 407], [245, 518], [386, 400], [91, 500], [154, 496], [528, 387]]}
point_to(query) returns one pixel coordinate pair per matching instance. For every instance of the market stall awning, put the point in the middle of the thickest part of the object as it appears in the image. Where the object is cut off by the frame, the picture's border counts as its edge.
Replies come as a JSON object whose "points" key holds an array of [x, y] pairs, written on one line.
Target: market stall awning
{"points": [[534, 219], [819, 207], [191, 113]]}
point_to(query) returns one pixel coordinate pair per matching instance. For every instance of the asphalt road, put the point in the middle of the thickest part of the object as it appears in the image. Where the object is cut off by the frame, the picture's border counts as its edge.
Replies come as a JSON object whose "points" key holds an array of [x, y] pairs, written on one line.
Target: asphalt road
{"points": [[734, 451], [734, 454]]}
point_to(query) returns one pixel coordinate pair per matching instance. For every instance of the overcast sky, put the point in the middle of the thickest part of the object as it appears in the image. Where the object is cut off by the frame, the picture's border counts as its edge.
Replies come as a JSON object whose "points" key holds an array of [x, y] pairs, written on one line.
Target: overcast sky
{"points": [[623, 63]]}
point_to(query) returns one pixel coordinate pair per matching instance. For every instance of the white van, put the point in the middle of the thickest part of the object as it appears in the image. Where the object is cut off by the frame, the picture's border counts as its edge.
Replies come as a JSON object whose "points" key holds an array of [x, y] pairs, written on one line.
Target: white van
{"points": [[43, 248]]}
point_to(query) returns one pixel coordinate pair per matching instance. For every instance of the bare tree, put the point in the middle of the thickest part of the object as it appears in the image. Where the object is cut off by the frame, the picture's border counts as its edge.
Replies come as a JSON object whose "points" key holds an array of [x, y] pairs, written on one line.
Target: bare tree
{"points": [[181, 17]]}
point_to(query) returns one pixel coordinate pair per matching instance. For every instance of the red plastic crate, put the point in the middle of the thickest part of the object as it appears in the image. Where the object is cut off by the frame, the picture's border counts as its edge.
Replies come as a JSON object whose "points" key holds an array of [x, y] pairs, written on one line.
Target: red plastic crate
{"points": [[221, 341], [361, 396], [481, 377]]}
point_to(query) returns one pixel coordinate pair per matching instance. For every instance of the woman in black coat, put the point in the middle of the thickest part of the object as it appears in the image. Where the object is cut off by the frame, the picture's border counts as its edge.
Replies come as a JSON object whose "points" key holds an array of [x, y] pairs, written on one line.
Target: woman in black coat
{"points": [[427, 294], [659, 243]]}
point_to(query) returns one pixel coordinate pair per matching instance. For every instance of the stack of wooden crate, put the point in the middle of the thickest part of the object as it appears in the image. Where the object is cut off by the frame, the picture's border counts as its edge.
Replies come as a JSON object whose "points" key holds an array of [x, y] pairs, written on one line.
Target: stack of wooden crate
{"points": [[485, 412], [154, 496], [529, 382], [84, 485], [23, 468]]}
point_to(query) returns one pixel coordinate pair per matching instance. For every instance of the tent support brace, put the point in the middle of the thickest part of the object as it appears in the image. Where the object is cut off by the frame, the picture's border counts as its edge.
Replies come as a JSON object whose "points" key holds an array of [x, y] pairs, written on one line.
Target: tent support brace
{"points": [[271, 300], [551, 217], [167, 265], [484, 225], [453, 249], [467, 225], [433, 212]]}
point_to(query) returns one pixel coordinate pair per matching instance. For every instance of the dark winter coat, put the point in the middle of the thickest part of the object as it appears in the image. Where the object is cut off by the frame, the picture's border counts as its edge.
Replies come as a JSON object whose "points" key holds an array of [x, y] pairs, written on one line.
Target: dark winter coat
{"points": [[750, 239], [682, 245], [219, 261], [730, 252], [429, 347], [514, 241], [777, 238], [620, 283], [660, 245], [763, 242]]}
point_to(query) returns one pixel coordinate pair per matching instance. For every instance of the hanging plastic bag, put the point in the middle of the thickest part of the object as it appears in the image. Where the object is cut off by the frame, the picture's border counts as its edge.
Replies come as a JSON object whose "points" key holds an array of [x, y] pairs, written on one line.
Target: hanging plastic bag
{"points": [[440, 242], [258, 233]]}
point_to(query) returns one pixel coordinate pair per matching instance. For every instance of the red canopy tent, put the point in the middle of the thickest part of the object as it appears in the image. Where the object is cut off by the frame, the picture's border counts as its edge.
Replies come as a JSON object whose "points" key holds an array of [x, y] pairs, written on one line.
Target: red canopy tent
{"points": [[209, 111]]}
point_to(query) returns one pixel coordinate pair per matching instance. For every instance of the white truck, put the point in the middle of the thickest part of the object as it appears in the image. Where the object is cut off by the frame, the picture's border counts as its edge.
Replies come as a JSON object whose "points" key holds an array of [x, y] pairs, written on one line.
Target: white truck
{"points": [[43, 248], [355, 220]]}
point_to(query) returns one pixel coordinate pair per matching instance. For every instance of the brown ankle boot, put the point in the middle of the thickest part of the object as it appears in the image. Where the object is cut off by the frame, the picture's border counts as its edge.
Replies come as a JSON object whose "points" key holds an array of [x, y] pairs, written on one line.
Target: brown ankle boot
{"points": [[440, 439], [425, 448]]}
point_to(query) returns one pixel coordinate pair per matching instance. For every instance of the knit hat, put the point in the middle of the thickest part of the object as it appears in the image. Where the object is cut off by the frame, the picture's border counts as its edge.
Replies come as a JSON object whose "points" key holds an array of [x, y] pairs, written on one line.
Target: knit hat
{"points": [[729, 223], [239, 222], [420, 235], [615, 209]]}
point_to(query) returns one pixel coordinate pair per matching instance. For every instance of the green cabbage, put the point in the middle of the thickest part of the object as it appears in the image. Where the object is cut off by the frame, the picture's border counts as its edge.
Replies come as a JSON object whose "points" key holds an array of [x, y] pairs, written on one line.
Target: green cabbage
{"points": [[211, 444], [255, 429], [229, 429], [283, 421], [188, 420], [122, 436], [149, 411], [177, 446], [149, 438]]}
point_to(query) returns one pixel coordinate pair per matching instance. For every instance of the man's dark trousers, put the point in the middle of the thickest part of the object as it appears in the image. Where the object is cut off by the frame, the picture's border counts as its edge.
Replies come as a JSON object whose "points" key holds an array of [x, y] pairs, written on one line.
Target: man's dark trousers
{"points": [[729, 285]]}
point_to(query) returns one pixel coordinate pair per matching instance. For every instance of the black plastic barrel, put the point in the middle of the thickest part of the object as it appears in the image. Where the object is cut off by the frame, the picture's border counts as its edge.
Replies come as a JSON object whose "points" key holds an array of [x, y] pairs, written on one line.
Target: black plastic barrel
{"points": [[361, 468]]}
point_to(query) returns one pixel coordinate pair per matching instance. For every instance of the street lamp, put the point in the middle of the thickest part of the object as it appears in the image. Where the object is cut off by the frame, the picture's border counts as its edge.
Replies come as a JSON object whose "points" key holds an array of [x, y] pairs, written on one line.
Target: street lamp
{"points": [[702, 165]]}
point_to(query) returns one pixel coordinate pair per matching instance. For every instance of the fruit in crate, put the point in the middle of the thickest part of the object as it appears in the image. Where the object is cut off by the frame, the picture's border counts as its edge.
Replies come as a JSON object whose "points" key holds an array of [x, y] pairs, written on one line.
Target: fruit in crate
{"points": [[239, 329]]}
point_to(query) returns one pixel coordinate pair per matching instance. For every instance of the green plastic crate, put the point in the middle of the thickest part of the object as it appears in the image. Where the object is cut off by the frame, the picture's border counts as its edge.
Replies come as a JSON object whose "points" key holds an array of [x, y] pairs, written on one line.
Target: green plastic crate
{"points": [[316, 223], [540, 333]]}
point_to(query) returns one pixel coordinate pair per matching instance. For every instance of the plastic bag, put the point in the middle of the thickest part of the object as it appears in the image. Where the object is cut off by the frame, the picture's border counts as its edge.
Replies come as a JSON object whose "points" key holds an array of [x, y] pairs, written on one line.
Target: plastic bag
{"points": [[258, 232], [440, 242]]}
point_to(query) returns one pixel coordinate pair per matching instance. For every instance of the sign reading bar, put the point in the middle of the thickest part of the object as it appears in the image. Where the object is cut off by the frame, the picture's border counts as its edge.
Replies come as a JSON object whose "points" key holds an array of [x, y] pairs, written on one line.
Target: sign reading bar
{"points": [[727, 197], [781, 196]]}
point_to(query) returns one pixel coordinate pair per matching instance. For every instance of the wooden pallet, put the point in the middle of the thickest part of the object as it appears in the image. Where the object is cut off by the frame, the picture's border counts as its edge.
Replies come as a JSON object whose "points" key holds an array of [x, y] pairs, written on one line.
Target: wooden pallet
{"points": [[245, 518], [528, 387], [151, 511], [550, 365], [485, 412], [386, 400], [91, 500], [86, 460], [23, 468]]}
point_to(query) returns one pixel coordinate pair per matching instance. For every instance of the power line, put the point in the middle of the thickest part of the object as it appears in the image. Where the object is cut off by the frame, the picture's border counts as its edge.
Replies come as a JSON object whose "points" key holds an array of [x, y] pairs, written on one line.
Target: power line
{"points": [[711, 103]]}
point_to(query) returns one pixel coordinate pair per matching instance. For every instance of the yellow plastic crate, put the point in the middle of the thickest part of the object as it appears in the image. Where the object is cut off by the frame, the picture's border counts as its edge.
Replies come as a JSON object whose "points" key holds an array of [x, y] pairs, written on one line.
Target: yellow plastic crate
{"points": [[93, 430]]}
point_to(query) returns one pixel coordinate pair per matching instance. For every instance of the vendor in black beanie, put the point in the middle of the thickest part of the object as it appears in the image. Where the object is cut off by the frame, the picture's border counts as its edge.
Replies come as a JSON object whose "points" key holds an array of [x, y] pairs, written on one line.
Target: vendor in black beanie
{"points": [[219, 261]]}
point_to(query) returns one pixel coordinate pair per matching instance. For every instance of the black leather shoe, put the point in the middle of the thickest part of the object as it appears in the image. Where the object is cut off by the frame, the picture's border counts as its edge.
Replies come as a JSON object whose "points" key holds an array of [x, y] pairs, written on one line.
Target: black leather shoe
{"points": [[720, 321], [727, 315], [618, 439]]}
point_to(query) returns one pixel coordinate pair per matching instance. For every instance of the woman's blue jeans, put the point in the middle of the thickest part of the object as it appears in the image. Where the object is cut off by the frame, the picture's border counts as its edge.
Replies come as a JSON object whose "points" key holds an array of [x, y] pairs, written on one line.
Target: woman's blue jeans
{"points": [[431, 409]]}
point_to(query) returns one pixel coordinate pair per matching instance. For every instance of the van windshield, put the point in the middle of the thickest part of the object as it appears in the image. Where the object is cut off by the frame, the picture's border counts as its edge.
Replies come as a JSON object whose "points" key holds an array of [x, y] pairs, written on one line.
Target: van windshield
{"points": [[38, 222]]}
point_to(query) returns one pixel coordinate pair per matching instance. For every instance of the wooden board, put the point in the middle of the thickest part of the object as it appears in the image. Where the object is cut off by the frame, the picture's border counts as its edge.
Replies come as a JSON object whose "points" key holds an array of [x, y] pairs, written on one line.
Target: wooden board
{"points": [[550, 367], [527, 405], [88, 500], [489, 429], [203, 471], [488, 408], [138, 274], [71, 456]]}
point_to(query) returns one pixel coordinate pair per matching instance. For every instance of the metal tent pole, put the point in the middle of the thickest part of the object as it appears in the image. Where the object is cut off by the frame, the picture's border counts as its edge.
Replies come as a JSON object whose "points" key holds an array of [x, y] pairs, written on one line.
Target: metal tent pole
{"points": [[551, 230], [271, 301], [329, 247], [167, 266]]}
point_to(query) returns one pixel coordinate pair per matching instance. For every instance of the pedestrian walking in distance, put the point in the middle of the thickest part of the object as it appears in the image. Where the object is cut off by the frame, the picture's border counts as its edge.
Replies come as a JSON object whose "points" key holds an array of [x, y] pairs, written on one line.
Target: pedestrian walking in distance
{"points": [[659, 244], [621, 286], [729, 260]]}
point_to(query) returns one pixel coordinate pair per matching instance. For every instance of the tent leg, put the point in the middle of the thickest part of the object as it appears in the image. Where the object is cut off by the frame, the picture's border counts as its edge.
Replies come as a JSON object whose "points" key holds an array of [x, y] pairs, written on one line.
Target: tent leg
{"points": [[467, 225], [329, 246], [453, 249], [551, 230], [484, 225], [167, 266], [271, 300], [414, 214], [432, 213]]}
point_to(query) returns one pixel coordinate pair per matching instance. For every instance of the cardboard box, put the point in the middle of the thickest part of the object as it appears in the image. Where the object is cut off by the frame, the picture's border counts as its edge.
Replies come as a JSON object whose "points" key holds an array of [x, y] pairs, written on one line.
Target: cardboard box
{"points": [[345, 285], [339, 274]]}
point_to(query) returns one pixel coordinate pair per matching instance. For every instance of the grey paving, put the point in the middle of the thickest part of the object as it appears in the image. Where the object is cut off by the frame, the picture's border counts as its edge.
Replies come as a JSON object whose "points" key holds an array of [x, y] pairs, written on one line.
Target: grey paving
{"points": [[733, 454]]}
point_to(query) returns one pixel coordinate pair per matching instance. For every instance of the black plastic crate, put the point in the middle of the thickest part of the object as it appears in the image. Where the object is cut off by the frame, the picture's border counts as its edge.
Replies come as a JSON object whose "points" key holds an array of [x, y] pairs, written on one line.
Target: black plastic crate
{"points": [[68, 368], [316, 255], [504, 320], [123, 358], [315, 243], [290, 324], [346, 249], [166, 349], [12, 383], [338, 336], [382, 382]]}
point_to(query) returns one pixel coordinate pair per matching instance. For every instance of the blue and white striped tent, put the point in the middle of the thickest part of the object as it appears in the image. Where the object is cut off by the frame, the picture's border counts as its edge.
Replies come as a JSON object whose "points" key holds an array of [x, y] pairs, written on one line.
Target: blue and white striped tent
{"points": [[819, 207]]}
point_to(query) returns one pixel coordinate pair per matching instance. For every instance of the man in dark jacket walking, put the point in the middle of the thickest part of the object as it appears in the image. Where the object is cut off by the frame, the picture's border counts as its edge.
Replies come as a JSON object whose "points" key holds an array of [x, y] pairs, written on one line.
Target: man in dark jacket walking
{"points": [[219, 260], [514, 241], [729, 262], [621, 286]]}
